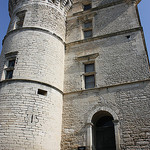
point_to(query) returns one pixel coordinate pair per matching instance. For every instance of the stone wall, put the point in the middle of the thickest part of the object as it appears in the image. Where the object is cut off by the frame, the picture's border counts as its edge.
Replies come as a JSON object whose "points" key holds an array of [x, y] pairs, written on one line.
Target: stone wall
{"points": [[119, 60], [31, 100], [129, 102], [122, 77], [28, 119], [106, 20], [38, 53], [39, 15]]}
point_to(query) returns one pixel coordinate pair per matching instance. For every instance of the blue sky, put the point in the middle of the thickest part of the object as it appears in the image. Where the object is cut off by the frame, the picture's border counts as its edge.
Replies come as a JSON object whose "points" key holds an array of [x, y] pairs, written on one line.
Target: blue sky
{"points": [[144, 10]]}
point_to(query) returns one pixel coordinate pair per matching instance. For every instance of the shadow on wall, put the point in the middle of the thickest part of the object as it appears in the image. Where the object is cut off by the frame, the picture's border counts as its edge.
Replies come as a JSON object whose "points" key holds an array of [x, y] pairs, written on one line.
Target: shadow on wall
{"points": [[117, 15]]}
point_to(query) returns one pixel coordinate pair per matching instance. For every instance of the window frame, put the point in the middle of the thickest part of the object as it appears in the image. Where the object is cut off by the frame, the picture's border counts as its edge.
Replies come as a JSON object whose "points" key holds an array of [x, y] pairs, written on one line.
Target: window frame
{"points": [[93, 66], [11, 56], [85, 6], [10, 68], [86, 36], [88, 28], [86, 74], [86, 22], [89, 85]]}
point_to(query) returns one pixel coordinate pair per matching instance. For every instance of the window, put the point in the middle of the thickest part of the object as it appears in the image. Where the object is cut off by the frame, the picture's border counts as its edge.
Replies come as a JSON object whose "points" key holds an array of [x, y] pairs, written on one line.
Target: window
{"points": [[20, 19], [87, 34], [10, 65], [10, 69], [89, 81], [89, 68], [88, 24], [42, 92], [87, 7], [89, 76], [87, 29]]}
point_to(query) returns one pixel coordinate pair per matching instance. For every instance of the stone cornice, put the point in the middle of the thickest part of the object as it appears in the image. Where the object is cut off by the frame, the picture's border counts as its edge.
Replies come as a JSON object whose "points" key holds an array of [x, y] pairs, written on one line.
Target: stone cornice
{"points": [[105, 36], [33, 29], [8, 81], [108, 87]]}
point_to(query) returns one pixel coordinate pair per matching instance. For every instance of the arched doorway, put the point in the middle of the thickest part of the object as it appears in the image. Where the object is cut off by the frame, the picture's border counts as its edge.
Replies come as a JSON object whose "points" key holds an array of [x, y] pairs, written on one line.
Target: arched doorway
{"points": [[103, 131]]}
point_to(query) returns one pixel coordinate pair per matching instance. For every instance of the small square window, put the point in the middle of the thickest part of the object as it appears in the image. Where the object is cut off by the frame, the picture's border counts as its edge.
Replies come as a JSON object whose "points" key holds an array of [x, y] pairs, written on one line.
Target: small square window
{"points": [[89, 68], [89, 81], [11, 63], [87, 34], [10, 69], [19, 24], [9, 74], [42, 92], [87, 7], [88, 24]]}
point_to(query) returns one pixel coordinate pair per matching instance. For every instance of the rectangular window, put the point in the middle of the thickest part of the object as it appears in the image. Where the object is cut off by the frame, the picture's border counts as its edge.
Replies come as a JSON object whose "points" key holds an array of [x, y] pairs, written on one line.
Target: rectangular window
{"points": [[87, 34], [87, 7], [89, 81], [87, 29], [89, 68], [89, 75], [9, 74], [10, 59], [88, 24], [10, 69], [11, 63], [20, 19], [42, 92]]}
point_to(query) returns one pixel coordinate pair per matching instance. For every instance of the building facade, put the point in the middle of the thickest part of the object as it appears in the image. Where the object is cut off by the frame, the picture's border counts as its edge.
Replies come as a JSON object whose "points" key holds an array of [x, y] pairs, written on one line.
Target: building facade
{"points": [[74, 76]]}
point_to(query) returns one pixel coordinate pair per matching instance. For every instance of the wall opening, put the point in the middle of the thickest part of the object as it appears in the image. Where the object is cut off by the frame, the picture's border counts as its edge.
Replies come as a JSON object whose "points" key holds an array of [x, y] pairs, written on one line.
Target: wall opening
{"points": [[103, 131], [42, 92], [20, 19]]}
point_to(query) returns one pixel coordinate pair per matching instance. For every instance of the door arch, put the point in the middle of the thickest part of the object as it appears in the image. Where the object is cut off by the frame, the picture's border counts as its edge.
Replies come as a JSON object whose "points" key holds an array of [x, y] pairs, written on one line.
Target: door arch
{"points": [[103, 131]]}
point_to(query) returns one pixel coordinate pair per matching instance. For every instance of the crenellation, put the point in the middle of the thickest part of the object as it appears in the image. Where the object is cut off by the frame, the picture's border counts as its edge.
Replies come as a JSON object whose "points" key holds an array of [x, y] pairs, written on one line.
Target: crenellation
{"points": [[59, 5]]}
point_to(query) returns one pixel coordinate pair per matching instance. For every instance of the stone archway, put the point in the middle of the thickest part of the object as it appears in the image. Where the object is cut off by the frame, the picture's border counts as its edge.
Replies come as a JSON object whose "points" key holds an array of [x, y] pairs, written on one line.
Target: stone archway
{"points": [[103, 132], [95, 116]]}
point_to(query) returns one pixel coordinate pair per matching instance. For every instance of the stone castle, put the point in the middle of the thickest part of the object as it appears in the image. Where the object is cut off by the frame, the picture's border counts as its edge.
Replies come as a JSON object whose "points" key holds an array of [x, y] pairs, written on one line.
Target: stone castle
{"points": [[74, 76]]}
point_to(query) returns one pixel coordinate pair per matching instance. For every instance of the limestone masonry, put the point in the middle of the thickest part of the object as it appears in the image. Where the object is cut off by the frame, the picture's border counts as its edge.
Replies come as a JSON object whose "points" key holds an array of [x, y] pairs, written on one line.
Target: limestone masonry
{"points": [[74, 76]]}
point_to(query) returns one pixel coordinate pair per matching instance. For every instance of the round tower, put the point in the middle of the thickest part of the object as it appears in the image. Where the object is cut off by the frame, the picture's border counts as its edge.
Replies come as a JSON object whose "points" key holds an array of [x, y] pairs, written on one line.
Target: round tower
{"points": [[32, 72]]}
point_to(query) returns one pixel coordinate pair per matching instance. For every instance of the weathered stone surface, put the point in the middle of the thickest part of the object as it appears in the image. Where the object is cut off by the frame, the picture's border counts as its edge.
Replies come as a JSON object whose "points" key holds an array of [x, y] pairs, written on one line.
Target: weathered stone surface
{"points": [[27, 119], [45, 105], [120, 60], [121, 74], [125, 101], [43, 46]]}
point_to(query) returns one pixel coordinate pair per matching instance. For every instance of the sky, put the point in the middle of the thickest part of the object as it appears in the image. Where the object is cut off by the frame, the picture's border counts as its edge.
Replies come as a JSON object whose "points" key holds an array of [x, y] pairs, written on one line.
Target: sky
{"points": [[144, 10]]}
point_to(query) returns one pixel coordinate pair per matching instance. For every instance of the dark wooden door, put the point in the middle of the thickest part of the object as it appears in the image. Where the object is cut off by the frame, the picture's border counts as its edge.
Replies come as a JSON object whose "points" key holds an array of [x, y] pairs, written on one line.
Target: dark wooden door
{"points": [[105, 138], [105, 134]]}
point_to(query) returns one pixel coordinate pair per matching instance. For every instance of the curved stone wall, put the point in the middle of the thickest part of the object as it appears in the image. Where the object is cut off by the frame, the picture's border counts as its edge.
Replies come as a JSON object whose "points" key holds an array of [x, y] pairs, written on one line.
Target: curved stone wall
{"points": [[31, 98], [29, 120], [40, 15], [40, 57]]}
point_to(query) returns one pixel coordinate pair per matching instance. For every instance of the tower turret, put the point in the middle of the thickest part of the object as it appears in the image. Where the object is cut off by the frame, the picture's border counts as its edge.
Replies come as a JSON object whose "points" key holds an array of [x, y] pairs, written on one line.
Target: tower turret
{"points": [[32, 72]]}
